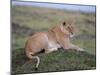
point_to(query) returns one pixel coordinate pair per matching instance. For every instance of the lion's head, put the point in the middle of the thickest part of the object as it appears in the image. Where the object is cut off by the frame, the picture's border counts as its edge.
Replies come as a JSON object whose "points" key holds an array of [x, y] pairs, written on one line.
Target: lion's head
{"points": [[67, 28]]}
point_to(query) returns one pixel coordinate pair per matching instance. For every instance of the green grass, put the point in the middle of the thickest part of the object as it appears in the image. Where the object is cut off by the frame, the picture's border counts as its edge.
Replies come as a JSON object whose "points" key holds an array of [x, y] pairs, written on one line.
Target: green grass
{"points": [[56, 61], [28, 20], [88, 45]]}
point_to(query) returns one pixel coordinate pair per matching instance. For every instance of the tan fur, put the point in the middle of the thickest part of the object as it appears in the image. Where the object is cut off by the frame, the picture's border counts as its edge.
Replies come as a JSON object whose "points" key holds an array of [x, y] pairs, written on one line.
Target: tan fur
{"points": [[54, 38]]}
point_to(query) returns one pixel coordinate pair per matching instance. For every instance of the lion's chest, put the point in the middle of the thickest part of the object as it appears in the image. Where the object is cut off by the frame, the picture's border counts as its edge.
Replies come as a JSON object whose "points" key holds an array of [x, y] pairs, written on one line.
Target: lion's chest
{"points": [[52, 46]]}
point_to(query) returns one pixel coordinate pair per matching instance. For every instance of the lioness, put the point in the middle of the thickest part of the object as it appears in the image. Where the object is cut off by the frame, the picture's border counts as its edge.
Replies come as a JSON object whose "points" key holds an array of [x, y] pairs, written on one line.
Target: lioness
{"points": [[54, 38]]}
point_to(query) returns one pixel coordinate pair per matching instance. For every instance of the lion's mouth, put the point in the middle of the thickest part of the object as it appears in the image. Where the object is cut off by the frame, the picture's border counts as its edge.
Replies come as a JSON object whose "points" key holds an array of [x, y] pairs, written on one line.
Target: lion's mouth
{"points": [[72, 35]]}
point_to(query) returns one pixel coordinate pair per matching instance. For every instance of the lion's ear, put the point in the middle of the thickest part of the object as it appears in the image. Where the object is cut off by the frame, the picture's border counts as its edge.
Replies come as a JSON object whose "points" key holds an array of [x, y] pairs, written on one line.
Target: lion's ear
{"points": [[64, 23]]}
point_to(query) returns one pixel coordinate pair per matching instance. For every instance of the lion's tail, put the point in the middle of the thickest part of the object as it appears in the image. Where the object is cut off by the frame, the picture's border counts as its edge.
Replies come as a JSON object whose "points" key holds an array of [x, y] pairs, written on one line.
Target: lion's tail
{"points": [[30, 56]]}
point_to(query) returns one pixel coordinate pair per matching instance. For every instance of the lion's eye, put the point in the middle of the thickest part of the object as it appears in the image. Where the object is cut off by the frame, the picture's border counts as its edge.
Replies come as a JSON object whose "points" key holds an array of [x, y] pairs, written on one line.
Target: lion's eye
{"points": [[67, 29], [70, 30]]}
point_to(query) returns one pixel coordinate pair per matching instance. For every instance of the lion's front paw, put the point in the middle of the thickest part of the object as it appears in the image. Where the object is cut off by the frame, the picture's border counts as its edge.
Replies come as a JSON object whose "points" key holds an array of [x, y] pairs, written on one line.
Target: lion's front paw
{"points": [[80, 49]]}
